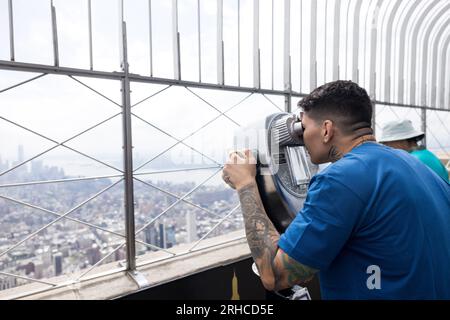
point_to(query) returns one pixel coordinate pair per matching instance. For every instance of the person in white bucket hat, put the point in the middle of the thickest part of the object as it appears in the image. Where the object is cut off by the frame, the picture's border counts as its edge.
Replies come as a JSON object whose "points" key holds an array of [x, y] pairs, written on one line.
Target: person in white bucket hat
{"points": [[401, 134]]}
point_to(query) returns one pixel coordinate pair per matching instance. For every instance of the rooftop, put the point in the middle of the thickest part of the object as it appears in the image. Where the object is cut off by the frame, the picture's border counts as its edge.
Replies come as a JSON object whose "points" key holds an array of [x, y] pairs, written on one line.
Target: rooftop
{"points": [[114, 147]]}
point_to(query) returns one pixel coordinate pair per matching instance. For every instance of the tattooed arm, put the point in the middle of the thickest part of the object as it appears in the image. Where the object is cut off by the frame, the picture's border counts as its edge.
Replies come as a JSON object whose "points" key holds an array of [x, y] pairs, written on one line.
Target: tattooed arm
{"points": [[277, 270]]}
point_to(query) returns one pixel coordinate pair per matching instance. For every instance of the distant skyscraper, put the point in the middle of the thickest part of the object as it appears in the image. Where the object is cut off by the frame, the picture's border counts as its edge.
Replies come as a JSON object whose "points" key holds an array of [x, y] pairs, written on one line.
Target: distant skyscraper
{"points": [[191, 226], [46, 257], [3, 165], [93, 254], [39, 269], [120, 254], [8, 283], [20, 159], [37, 167], [57, 260], [20, 154], [162, 236], [151, 235], [170, 236]]}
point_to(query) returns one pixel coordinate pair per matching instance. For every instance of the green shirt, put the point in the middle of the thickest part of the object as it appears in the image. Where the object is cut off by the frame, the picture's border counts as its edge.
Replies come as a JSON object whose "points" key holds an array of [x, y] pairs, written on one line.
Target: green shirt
{"points": [[431, 161]]}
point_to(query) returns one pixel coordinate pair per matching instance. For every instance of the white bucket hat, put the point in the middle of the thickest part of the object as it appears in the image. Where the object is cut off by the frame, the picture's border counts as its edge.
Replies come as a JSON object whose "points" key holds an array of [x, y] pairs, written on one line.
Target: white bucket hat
{"points": [[400, 130]]}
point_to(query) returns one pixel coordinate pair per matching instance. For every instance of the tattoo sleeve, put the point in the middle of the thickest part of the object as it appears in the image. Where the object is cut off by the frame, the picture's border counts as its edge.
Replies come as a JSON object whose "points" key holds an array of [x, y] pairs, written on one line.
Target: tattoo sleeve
{"points": [[276, 269], [295, 272], [262, 236]]}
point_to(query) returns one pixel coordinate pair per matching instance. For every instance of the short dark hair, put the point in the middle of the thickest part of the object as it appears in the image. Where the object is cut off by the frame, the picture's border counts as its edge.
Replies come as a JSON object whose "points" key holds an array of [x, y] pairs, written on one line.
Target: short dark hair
{"points": [[343, 102]]}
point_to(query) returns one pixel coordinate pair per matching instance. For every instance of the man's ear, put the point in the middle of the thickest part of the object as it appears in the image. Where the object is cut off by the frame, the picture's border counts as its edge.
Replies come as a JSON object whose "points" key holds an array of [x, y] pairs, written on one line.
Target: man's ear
{"points": [[327, 131]]}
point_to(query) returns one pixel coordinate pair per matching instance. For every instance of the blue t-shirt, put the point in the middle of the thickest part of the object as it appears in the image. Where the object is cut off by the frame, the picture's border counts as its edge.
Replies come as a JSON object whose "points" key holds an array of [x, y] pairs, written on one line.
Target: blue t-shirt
{"points": [[376, 224]]}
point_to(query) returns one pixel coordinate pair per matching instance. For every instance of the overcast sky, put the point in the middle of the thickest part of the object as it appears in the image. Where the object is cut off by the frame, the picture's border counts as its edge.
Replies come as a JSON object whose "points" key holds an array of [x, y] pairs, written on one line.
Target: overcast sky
{"points": [[59, 107]]}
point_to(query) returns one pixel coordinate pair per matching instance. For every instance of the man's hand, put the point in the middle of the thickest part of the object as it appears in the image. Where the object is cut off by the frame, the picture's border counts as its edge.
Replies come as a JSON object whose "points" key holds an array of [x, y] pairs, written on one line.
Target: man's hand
{"points": [[240, 169], [276, 269]]}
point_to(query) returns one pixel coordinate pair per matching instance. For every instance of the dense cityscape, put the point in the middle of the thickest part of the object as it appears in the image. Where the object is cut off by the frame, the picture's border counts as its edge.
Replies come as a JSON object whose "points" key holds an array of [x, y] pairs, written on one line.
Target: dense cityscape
{"points": [[68, 246]]}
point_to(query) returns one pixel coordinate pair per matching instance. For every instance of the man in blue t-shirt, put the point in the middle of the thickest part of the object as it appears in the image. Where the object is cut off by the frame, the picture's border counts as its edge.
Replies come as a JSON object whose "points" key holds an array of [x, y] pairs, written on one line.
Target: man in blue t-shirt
{"points": [[375, 223]]}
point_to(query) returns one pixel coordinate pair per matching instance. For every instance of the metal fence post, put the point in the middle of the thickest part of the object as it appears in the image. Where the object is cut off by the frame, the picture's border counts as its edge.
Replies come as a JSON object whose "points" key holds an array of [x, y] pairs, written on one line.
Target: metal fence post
{"points": [[130, 229], [374, 119], [11, 30], [287, 56], [424, 125], [127, 154]]}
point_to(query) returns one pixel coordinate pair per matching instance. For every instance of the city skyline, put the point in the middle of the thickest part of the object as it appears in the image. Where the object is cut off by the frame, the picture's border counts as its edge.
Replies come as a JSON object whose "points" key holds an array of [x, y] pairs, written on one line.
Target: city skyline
{"points": [[59, 168], [69, 246], [207, 68]]}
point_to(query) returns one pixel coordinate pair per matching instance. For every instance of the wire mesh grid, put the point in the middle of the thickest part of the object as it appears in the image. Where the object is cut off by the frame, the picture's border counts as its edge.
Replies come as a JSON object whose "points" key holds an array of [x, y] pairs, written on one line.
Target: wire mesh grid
{"points": [[149, 119]]}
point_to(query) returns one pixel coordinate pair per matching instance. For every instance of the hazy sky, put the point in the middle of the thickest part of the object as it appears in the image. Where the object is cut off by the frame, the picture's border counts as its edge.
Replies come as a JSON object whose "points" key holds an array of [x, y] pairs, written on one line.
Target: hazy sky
{"points": [[59, 107]]}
